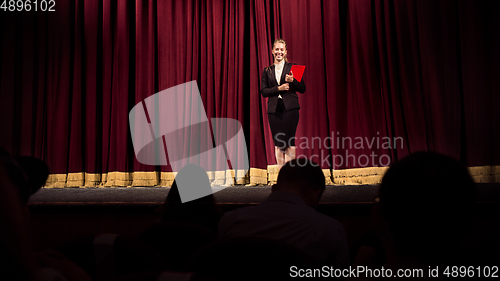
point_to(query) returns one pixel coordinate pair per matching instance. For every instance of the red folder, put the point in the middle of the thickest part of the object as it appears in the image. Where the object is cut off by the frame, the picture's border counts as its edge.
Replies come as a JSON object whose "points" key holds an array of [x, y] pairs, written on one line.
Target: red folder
{"points": [[298, 71]]}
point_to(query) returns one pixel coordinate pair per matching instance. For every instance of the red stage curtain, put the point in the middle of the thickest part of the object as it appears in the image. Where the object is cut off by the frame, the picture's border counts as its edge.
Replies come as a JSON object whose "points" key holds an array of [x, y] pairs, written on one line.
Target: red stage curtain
{"points": [[424, 71]]}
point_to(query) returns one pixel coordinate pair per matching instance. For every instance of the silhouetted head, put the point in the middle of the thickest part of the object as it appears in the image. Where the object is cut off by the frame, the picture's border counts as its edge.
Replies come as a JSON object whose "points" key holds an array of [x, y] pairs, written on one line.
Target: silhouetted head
{"points": [[425, 199], [28, 174], [302, 177], [202, 210]]}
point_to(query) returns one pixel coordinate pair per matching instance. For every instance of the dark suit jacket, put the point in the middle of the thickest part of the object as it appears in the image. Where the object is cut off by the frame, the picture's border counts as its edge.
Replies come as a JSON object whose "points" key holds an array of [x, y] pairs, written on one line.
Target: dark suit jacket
{"points": [[269, 89]]}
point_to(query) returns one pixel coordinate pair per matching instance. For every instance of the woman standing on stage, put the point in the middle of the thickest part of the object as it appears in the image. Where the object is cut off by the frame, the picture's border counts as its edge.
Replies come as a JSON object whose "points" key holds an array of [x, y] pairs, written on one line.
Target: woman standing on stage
{"points": [[280, 87]]}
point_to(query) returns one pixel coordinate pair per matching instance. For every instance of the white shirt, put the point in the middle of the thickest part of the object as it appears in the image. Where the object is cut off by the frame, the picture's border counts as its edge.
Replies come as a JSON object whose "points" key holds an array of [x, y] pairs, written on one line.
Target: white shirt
{"points": [[278, 70]]}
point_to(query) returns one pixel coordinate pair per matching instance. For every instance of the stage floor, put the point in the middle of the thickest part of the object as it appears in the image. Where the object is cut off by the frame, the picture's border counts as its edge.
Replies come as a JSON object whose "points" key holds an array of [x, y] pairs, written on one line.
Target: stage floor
{"points": [[156, 195], [344, 194]]}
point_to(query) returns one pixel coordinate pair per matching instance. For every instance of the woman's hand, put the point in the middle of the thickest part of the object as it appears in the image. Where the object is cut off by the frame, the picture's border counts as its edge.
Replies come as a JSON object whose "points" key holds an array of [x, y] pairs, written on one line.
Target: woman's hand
{"points": [[289, 78], [284, 87]]}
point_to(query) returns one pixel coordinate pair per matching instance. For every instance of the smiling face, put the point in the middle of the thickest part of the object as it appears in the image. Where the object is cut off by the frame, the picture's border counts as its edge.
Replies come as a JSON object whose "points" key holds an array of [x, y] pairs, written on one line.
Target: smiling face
{"points": [[279, 52]]}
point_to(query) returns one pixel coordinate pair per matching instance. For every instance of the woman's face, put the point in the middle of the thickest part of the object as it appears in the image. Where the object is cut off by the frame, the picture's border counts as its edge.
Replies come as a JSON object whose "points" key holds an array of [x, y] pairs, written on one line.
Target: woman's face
{"points": [[279, 52]]}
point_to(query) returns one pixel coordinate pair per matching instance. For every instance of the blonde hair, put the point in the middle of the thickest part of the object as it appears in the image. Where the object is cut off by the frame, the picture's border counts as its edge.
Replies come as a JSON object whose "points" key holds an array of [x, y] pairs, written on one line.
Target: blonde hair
{"points": [[282, 41]]}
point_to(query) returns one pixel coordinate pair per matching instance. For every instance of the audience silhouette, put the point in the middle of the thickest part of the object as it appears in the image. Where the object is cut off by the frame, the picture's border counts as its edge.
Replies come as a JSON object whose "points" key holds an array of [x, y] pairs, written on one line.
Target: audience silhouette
{"points": [[422, 216], [288, 216], [16, 256], [184, 227], [202, 211], [21, 177]]}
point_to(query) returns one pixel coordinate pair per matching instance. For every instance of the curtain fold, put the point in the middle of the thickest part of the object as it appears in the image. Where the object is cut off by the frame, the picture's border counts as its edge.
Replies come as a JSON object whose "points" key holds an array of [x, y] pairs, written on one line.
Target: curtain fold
{"points": [[384, 79]]}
